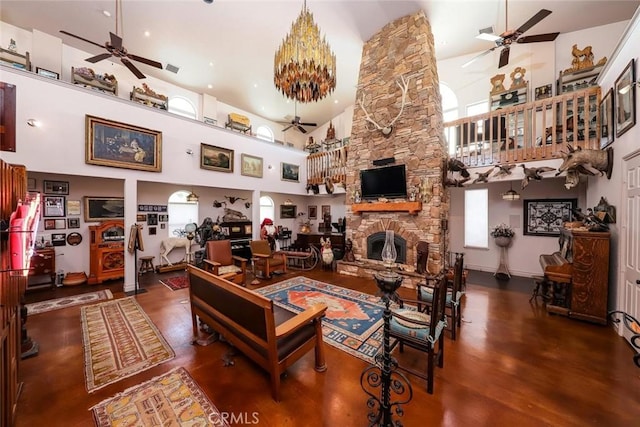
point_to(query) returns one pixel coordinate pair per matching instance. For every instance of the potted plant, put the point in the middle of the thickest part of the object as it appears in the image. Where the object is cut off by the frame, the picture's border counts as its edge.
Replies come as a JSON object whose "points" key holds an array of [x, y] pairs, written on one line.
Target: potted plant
{"points": [[502, 234]]}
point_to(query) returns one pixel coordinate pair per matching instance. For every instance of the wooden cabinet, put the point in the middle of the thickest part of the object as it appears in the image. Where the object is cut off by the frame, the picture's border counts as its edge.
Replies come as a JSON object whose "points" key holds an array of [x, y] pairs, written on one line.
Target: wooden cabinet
{"points": [[15, 59], [42, 269], [107, 251], [148, 97], [577, 80], [88, 78]]}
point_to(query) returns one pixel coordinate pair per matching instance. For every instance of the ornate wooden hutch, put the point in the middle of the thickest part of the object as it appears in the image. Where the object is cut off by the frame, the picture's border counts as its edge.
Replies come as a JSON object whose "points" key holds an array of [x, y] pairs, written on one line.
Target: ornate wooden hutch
{"points": [[107, 251]]}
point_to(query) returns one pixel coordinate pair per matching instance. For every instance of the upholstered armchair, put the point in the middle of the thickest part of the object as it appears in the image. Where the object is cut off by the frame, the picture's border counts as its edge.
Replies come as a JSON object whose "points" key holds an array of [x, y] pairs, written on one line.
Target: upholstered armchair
{"points": [[265, 260], [220, 261]]}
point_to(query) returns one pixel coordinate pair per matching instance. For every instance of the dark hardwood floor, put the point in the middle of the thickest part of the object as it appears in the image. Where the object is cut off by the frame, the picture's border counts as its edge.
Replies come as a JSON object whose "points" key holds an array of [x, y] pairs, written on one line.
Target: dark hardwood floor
{"points": [[513, 364]]}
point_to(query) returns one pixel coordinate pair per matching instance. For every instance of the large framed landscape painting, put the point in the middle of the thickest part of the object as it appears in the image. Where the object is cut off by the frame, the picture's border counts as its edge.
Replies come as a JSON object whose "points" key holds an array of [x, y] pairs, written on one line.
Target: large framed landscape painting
{"points": [[121, 145], [545, 217], [103, 208], [216, 158]]}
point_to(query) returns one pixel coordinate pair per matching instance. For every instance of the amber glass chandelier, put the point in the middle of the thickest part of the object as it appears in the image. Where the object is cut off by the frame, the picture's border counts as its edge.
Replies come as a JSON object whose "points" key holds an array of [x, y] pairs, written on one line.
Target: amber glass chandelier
{"points": [[304, 66]]}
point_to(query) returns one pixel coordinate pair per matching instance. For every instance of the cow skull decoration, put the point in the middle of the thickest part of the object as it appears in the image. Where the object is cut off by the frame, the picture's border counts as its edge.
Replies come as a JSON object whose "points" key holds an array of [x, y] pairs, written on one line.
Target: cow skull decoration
{"points": [[387, 129]]}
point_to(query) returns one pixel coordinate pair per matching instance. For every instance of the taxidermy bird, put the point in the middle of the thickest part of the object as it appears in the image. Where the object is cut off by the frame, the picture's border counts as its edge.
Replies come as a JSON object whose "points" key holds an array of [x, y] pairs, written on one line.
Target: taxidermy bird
{"points": [[482, 177], [503, 170], [533, 173], [452, 182], [313, 187], [456, 165], [232, 199]]}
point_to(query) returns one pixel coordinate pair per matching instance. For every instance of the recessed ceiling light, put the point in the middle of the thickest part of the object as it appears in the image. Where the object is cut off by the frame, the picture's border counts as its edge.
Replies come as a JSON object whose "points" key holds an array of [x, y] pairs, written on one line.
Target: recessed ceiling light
{"points": [[147, 33], [210, 86], [211, 64], [335, 101], [255, 85], [106, 13]]}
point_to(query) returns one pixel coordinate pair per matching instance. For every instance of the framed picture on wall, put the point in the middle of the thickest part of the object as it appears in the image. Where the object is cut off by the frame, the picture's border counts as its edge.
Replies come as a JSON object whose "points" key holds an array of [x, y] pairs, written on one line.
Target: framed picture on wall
{"points": [[53, 206], [73, 222], [313, 212], [55, 187], [288, 211], [216, 158], [250, 165], [606, 119], [545, 217], [289, 172], [625, 103], [103, 208]]}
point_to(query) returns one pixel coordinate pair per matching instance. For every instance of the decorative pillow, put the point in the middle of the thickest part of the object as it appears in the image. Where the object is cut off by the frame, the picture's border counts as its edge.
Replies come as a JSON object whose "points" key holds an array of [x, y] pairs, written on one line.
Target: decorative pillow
{"points": [[411, 314]]}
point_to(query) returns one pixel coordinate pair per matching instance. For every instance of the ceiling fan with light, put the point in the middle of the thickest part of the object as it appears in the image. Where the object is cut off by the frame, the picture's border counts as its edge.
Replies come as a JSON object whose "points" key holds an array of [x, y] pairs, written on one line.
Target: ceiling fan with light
{"points": [[296, 123], [115, 48], [508, 37]]}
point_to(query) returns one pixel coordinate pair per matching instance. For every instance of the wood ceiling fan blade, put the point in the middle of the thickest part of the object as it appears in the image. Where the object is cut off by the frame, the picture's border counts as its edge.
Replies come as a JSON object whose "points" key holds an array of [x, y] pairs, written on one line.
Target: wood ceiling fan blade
{"points": [[301, 129], [132, 68], [150, 62], [307, 124], [287, 128], [534, 20], [116, 41], [504, 57], [472, 60], [82, 38], [98, 58], [548, 37]]}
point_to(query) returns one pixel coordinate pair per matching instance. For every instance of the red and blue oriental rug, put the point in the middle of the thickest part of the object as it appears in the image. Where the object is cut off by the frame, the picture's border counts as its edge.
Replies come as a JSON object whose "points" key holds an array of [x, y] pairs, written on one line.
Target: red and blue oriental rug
{"points": [[353, 321]]}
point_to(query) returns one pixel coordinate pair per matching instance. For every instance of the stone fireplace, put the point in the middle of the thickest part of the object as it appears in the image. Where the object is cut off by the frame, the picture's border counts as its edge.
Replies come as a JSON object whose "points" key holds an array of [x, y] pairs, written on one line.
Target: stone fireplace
{"points": [[403, 49]]}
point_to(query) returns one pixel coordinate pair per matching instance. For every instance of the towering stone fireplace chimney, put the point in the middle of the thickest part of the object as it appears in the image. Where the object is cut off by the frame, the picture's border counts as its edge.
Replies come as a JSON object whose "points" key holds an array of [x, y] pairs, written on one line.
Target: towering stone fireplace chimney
{"points": [[403, 49]]}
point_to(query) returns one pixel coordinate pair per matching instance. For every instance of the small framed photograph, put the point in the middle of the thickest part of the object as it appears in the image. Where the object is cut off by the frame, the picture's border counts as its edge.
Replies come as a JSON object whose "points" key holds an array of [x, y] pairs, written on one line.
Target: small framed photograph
{"points": [[152, 231], [55, 187], [216, 158], [250, 165], [59, 239], [313, 212], [47, 73], [543, 92], [289, 172], [606, 120], [53, 206], [31, 184], [73, 222], [326, 210], [103, 208], [248, 229], [73, 207], [163, 217], [288, 211], [61, 224], [625, 103], [152, 219], [49, 224], [163, 226], [141, 217]]}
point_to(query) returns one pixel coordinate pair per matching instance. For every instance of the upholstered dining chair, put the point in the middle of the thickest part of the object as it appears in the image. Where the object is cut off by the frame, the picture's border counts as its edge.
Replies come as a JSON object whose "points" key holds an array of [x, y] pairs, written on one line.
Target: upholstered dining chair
{"points": [[265, 260], [220, 261], [422, 331], [453, 298]]}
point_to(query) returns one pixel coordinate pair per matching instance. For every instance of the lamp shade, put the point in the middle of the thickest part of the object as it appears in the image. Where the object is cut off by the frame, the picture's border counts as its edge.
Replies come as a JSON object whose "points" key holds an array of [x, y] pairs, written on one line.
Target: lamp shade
{"points": [[510, 195]]}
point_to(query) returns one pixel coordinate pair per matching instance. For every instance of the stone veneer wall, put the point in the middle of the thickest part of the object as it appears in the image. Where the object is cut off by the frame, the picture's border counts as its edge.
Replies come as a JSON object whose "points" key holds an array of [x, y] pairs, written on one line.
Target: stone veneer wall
{"points": [[404, 47]]}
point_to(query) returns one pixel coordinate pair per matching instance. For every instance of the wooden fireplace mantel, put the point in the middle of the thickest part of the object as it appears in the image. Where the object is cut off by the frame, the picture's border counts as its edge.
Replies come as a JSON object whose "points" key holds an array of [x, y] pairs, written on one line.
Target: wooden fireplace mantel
{"points": [[412, 207]]}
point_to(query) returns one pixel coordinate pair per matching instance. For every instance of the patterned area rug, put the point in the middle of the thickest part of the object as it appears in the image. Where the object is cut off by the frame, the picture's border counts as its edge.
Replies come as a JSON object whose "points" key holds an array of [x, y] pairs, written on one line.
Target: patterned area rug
{"points": [[55, 304], [119, 341], [175, 283], [172, 399], [353, 321]]}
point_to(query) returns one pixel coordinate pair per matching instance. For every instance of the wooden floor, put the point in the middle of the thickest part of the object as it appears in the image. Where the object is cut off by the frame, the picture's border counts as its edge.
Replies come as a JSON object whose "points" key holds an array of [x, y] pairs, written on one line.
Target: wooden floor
{"points": [[513, 364]]}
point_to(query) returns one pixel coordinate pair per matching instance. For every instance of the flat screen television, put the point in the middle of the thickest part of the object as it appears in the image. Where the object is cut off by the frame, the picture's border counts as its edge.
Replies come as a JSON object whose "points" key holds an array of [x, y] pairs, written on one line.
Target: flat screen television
{"points": [[389, 182]]}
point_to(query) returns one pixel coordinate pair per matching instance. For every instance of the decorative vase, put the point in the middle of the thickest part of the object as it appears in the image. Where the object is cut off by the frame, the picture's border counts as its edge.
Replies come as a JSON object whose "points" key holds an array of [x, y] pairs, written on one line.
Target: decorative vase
{"points": [[503, 241], [389, 253]]}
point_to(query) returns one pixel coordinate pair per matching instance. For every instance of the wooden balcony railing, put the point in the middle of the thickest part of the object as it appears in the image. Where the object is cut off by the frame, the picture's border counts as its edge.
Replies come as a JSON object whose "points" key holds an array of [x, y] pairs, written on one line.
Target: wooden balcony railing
{"points": [[527, 132], [523, 133]]}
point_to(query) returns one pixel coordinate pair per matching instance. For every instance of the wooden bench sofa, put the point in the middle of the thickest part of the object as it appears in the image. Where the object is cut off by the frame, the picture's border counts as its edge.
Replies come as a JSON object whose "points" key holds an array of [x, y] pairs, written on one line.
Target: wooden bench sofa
{"points": [[271, 336]]}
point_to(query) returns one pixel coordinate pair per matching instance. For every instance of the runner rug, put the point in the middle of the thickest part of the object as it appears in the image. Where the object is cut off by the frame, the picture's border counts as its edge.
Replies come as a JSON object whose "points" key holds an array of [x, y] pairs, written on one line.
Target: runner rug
{"points": [[55, 304], [119, 341], [172, 399], [353, 321], [175, 283]]}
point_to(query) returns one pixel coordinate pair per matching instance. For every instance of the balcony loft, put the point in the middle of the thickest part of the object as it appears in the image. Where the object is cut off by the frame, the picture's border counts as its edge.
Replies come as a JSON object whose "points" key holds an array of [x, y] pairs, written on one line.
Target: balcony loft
{"points": [[528, 132]]}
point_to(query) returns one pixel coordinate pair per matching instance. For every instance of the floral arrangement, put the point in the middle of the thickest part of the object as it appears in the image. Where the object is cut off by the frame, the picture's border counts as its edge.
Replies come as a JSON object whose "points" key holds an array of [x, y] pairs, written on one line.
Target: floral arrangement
{"points": [[502, 230]]}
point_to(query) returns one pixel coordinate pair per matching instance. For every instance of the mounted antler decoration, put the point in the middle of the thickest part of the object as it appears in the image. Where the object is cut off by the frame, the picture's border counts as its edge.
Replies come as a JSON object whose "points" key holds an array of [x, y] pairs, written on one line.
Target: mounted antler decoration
{"points": [[387, 129]]}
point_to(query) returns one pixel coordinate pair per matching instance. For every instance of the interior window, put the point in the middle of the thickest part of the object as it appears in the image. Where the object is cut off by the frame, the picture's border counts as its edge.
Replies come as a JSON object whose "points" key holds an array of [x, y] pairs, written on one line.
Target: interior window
{"points": [[265, 133], [182, 107], [476, 218], [267, 208], [181, 212]]}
